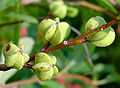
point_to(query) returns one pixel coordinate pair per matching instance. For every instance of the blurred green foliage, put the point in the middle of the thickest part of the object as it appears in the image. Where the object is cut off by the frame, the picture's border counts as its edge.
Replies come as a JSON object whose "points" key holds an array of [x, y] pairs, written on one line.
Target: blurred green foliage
{"points": [[106, 60]]}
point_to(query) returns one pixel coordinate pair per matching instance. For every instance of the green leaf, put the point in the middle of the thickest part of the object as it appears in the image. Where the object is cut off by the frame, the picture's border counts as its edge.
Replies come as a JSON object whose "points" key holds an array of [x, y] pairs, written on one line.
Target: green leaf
{"points": [[114, 77], [108, 5], [5, 75], [105, 68], [5, 3], [24, 17], [28, 42]]}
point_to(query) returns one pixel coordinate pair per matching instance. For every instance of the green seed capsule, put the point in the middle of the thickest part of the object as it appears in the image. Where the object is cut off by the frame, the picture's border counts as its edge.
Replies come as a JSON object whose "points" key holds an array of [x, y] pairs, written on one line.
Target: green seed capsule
{"points": [[26, 57], [101, 38], [21, 46], [45, 66], [58, 9], [53, 59], [41, 66], [42, 57], [14, 56], [72, 12], [55, 70], [50, 32], [54, 31], [44, 75], [44, 25]]}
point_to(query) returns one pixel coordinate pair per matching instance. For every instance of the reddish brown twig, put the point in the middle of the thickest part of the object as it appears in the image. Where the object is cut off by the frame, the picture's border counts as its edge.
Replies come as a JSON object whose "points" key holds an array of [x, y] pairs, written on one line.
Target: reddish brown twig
{"points": [[85, 79], [115, 4], [16, 22], [5, 68], [81, 39], [7, 86], [42, 50]]}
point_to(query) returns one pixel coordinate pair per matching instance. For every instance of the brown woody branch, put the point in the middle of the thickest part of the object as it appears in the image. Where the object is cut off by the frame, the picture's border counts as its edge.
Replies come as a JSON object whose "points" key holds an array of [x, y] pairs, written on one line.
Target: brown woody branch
{"points": [[81, 39], [5, 68], [11, 23], [85, 79]]}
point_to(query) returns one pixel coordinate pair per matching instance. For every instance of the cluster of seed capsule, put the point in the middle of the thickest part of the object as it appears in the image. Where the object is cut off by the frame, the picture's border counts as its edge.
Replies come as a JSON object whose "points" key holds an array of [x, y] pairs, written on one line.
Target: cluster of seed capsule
{"points": [[55, 32]]}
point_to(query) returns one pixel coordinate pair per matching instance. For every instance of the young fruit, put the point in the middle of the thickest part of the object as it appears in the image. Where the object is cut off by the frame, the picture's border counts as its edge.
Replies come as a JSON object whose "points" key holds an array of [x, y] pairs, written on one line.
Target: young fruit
{"points": [[58, 9], [14, 56], [100, 38], [72, 12], [45, 66], [54, 31]]}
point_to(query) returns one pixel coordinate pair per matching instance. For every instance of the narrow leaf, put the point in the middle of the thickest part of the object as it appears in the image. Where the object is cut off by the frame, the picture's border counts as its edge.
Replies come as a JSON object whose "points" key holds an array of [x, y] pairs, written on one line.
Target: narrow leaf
{"points": [[24, 17]]}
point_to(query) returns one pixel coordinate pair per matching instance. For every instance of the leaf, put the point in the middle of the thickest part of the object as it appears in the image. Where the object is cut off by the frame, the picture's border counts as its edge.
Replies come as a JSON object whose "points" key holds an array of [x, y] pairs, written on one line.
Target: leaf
{"points": [[5, 75], [24, 17], [5, 3], [114, 77], [104, 68], [108, 5], [28, 43]]}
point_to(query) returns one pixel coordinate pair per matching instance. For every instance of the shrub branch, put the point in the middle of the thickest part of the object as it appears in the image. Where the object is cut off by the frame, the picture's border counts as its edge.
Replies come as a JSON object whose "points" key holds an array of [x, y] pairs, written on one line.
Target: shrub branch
{"points": [[78, 40]]}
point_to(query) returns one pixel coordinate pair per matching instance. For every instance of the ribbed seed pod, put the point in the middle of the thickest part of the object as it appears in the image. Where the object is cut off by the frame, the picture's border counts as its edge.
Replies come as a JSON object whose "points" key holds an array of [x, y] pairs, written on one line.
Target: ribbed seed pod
{"points": [[58, 9], [44, 25], [14, 56], [53, 59], [42, 57], [41, 66], [72, 12], [44, 75], [54, 31], [55, 70], [45, 66], [101, 38]]}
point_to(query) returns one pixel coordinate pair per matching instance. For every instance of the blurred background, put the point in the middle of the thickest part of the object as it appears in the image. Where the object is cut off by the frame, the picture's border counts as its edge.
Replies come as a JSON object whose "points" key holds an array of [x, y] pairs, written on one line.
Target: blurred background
{"points": [[19, 20]]}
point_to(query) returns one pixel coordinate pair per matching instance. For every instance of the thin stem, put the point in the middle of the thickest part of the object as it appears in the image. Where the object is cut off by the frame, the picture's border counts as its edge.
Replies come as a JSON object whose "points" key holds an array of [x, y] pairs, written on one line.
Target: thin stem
{"points": [[42, 50], [7, 86], [62, 45], [18, 22], [95, 7], [5, 68], [11, 23], [85, 79], [117, 6], [17, 26], [85, 47], [81, 39]]}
